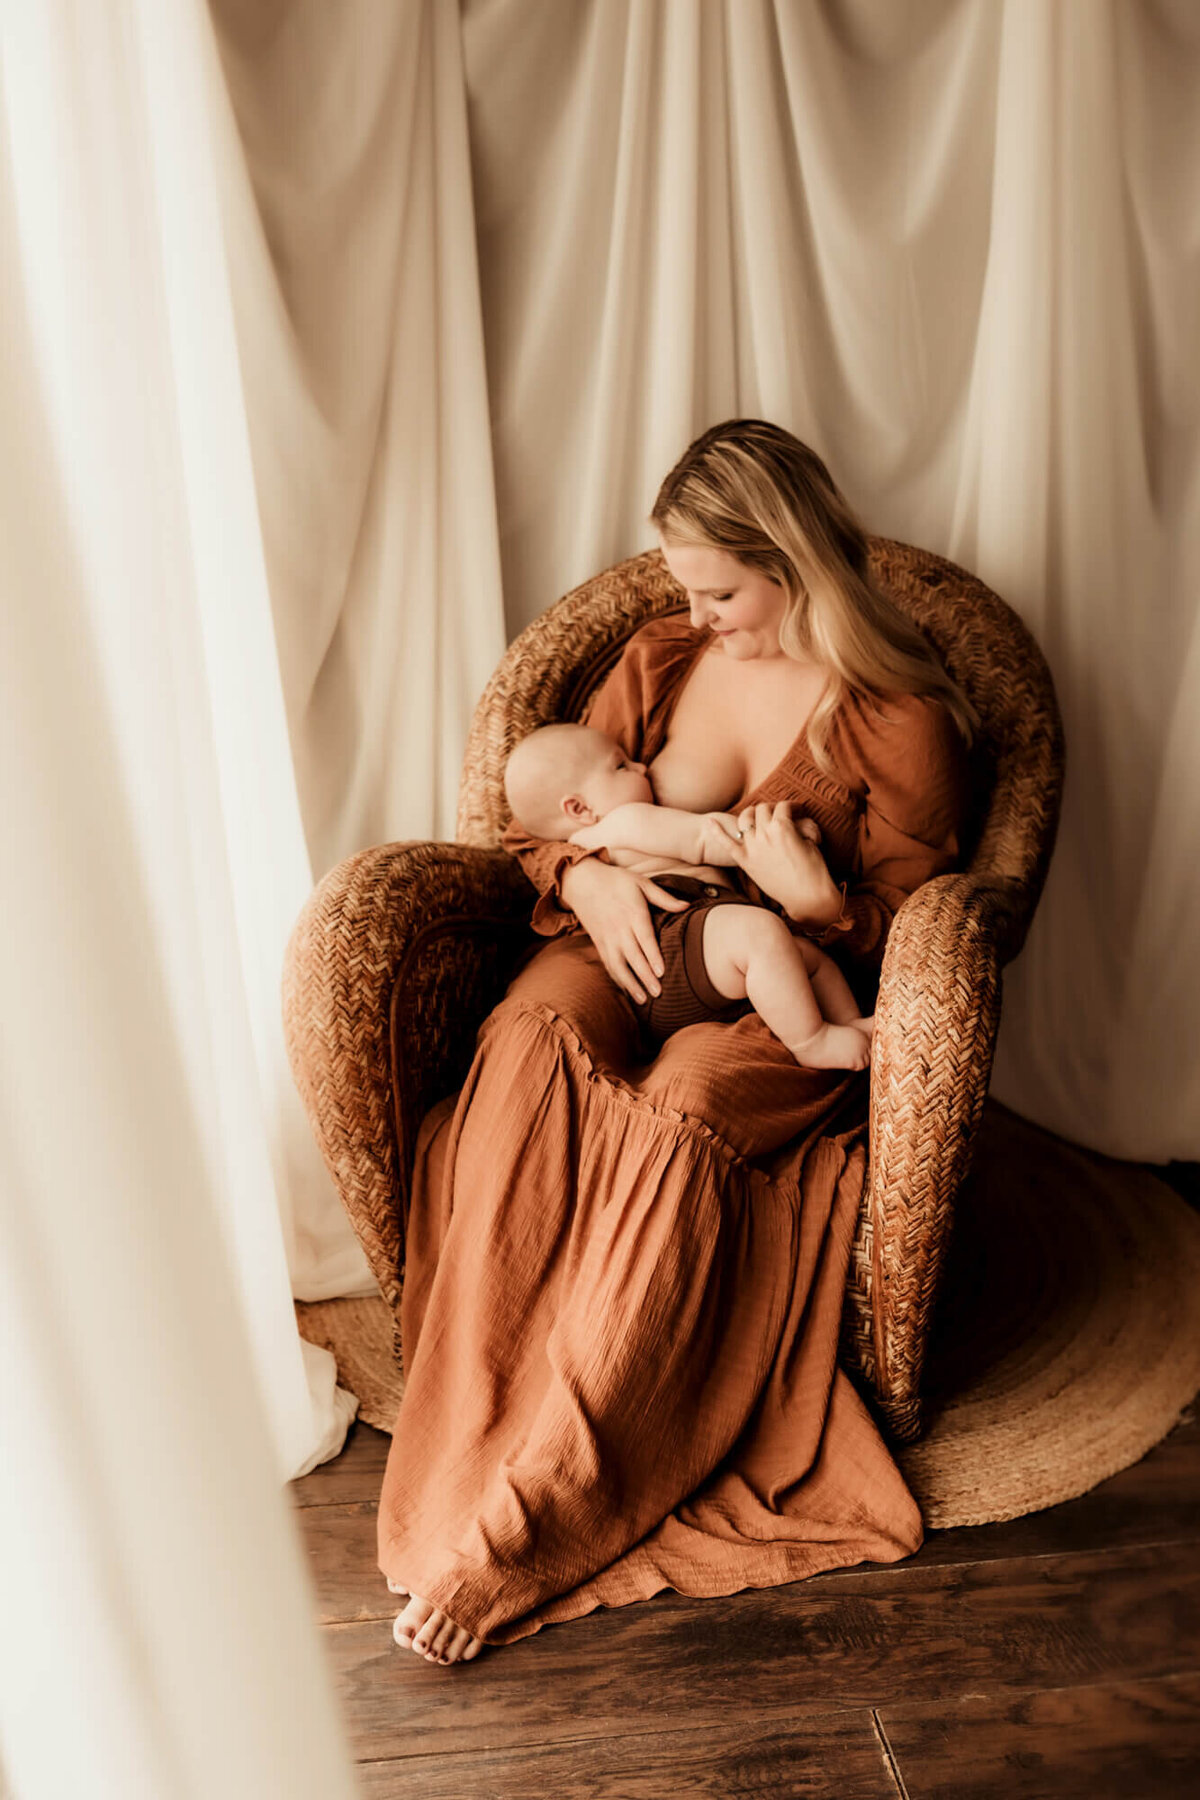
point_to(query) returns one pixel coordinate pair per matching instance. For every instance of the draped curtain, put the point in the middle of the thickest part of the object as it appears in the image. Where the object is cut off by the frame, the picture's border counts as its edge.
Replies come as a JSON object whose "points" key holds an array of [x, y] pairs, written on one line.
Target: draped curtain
{"points": [[953, 245], [338, 342], [353, 267], [154, 1391]]}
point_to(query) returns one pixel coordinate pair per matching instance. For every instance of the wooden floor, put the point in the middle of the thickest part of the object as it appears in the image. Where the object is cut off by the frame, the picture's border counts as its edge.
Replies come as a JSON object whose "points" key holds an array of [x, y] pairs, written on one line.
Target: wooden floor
{"points": [[1052, 1657]]}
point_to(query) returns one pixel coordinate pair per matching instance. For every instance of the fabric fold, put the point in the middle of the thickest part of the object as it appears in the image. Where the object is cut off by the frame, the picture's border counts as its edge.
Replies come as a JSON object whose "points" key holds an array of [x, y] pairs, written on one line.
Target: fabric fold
{"points": [[633, 1330]]}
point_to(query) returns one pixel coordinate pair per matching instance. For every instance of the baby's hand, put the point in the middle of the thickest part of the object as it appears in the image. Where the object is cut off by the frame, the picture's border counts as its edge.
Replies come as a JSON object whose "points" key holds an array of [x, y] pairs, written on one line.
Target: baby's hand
{"points": [[719, 839]]}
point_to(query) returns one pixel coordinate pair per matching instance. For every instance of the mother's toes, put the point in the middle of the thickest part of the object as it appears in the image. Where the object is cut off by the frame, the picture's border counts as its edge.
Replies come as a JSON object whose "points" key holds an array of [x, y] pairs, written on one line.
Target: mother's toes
{"points": [[443, 1633], [412, 1620], [453, 1643], [463, 1647], [432, 1634]]}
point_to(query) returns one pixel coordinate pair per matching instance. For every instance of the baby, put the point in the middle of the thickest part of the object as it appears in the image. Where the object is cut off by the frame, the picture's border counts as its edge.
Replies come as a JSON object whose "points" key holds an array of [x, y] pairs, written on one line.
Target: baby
{"points": [[571, 782]]}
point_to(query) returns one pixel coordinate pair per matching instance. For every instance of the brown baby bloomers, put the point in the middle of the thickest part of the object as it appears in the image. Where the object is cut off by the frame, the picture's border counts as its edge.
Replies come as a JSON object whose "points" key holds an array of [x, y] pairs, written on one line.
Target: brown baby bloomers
{"points": [[688, 995]]}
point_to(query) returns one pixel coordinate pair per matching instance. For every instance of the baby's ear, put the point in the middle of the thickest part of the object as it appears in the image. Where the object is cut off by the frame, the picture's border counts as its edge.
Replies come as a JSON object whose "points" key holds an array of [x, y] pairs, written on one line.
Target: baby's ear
{"points": [[577, 810]]}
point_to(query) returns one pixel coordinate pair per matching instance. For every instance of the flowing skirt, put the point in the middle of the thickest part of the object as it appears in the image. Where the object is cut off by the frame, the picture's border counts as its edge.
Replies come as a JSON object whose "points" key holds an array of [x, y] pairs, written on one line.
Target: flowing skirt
{"points": [[620, 1320]]}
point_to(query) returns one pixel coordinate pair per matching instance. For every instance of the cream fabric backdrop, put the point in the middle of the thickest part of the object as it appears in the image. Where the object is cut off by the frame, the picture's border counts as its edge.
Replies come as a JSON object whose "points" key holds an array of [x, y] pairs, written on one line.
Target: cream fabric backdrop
{"points": [[953, 245], [357, 294]]}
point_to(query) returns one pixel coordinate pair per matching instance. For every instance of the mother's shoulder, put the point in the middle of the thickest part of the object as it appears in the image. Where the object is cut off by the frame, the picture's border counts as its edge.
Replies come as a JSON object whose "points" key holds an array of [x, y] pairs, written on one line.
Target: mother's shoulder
{"points": [[892, 714], [648, 669], [662, 645], [874, 733], [669, 631]]}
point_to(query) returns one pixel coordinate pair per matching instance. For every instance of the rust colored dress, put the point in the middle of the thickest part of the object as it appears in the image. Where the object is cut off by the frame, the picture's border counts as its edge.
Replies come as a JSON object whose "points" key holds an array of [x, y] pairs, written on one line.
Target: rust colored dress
{"points": [[624, 1281]]}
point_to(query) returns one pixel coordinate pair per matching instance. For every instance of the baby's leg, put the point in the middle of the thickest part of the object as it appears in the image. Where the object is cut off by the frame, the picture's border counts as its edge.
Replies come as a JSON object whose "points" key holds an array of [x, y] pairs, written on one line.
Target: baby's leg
{"points": [[750, 954], [831, 988]]}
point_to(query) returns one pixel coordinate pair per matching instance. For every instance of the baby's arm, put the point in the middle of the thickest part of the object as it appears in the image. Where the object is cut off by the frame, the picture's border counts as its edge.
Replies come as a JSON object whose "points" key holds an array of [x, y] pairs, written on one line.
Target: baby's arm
{"points": [[664, 831]]}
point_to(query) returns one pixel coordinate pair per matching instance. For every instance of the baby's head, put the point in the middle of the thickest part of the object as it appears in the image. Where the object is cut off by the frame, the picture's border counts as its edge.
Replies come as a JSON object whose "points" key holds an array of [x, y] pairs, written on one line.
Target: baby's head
{"points": [[563, 777]]}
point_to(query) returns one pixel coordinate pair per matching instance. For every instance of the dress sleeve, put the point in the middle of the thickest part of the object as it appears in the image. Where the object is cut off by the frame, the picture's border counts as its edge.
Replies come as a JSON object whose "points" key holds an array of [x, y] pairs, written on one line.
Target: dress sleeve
{"points": [[620, 708], [909, 766]]}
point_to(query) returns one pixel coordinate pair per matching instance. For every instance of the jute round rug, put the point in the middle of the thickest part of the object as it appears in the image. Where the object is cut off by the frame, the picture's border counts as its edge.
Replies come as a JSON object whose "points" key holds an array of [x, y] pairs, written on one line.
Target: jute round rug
{"points": [[1068, 1341]]}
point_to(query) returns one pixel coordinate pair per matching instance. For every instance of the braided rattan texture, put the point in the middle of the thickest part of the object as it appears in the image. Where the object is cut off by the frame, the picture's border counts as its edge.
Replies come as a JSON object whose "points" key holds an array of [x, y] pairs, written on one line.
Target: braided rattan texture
{"points": [[939, 996], [551, 672], [398, 956]]}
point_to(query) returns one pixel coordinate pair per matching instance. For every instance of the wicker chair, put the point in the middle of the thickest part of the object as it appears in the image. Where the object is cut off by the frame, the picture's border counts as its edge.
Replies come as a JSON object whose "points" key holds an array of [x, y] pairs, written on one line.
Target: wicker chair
{"points": [[403, 949]]}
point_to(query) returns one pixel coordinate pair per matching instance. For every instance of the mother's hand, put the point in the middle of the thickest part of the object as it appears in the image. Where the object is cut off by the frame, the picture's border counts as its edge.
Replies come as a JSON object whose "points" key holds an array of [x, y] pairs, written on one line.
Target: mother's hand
{"points": [[782, 859], [611, 905]]}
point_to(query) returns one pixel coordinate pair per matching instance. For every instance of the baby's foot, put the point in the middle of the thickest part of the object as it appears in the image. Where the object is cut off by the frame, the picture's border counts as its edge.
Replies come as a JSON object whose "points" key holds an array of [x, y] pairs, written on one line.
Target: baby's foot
{"points": [[834, 1047], [433, 1634], [866, 1026]]}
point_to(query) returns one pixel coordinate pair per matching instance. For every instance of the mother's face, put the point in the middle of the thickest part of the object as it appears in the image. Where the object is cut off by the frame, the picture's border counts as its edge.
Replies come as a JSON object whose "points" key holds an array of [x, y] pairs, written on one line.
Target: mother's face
{"points": [[742, 608]]}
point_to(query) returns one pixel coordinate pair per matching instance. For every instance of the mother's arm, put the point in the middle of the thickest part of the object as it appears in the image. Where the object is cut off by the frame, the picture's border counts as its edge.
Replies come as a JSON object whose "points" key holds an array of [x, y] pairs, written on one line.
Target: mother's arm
{"points": [[781, 857], [911, 770]]}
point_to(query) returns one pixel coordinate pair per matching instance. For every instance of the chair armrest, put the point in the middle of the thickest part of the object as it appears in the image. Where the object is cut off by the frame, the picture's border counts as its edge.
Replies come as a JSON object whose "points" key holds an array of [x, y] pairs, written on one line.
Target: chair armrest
{"points": [[396, 959], [935, 1032]]}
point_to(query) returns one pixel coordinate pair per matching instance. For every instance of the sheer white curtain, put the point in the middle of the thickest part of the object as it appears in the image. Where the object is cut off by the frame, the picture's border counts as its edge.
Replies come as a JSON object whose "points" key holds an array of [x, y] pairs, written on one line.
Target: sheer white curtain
{"points": [[152, 1396], [244, 572], [952, 245], [116, 239]]}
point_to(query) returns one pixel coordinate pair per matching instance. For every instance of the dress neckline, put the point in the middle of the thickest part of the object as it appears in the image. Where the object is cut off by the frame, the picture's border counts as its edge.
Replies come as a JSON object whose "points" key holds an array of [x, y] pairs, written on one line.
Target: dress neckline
{"points": [[798, 753]]}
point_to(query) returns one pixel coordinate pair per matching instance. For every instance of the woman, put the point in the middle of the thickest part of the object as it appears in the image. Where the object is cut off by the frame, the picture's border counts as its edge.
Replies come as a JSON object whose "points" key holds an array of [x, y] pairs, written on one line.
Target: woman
{"points": [[624, 1282]]}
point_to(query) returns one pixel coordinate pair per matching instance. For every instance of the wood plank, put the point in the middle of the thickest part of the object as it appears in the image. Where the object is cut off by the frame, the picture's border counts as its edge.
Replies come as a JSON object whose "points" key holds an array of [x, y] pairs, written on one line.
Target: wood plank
{"points": [[1157, 1501], [834, 1642], [836, 1759], [1128, 1741], [354, 1475], [341, 1555]]}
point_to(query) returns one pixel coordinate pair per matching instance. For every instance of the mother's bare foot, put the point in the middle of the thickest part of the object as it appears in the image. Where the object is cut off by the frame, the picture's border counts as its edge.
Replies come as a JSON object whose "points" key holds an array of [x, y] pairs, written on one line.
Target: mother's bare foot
{"points": [[433, 1634]]}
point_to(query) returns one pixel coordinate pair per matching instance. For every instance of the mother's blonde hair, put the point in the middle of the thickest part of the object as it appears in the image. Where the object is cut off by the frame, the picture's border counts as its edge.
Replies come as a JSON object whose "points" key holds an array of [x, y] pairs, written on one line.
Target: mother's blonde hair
{"points": [[751, 489]]}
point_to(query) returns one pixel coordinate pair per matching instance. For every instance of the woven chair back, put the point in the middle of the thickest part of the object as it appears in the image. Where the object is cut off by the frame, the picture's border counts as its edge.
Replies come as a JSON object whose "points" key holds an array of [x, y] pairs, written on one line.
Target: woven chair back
{"points": [[552, 670]]}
